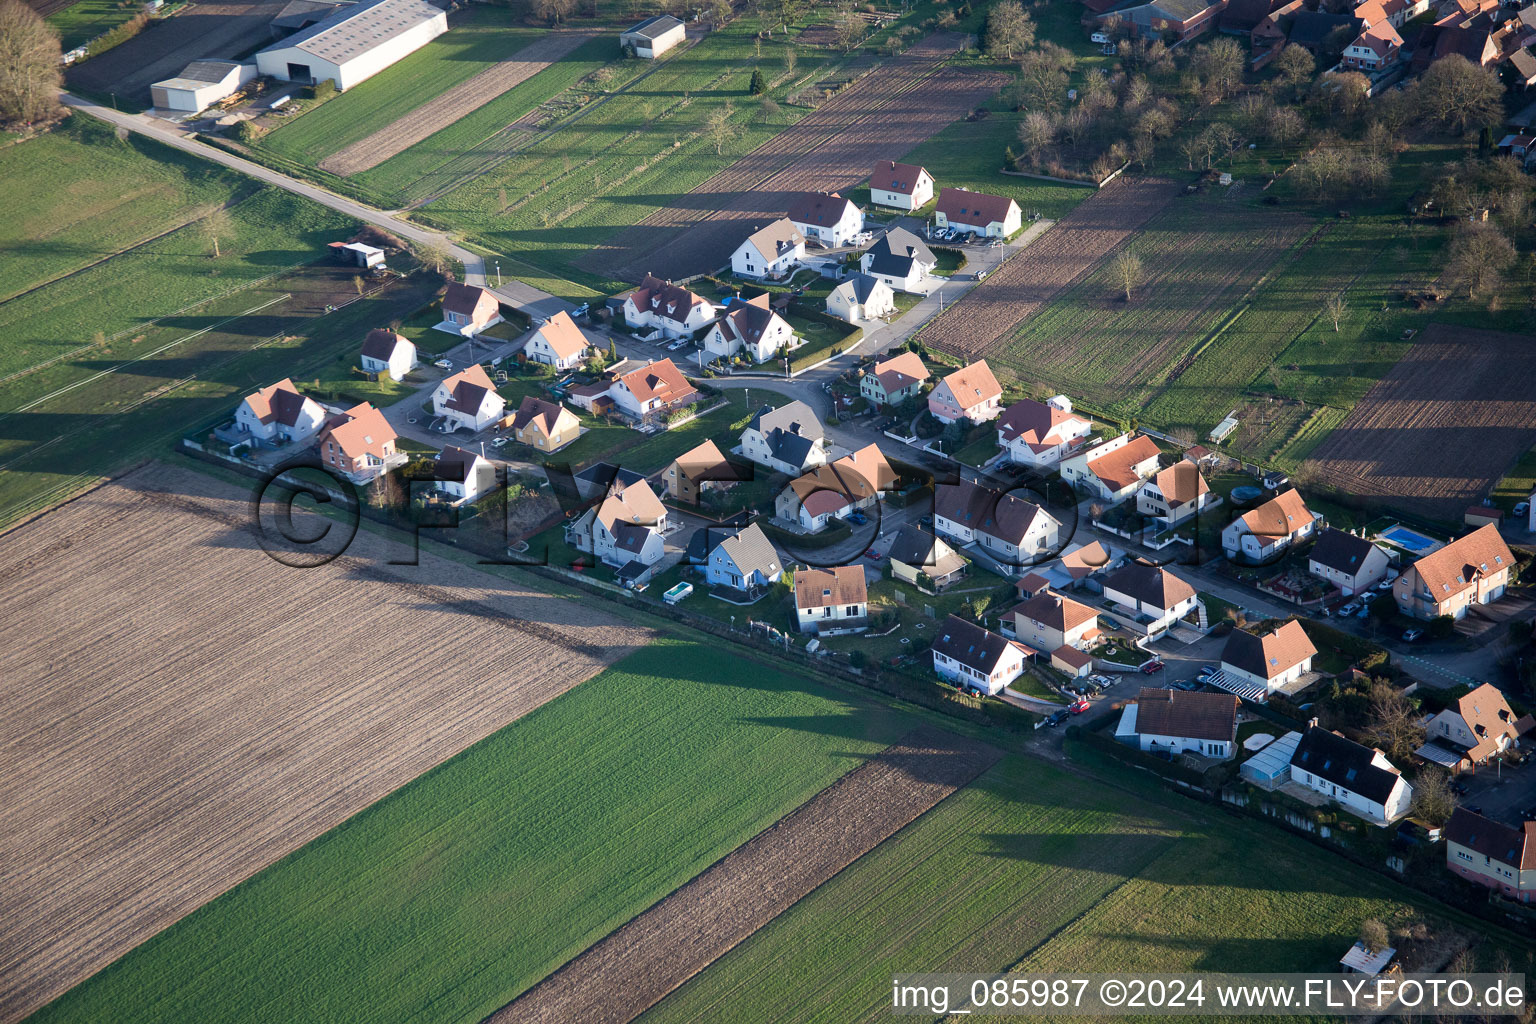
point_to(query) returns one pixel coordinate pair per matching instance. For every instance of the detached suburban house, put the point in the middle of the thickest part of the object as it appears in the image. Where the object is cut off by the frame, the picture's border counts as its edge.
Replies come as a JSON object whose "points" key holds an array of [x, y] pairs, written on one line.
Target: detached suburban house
{"points": [[1479, 726], [1492, 854], [901, 260], [789, 439], [831, 601], [468, 310], [1040, 434], [697, 471], [970, 656], [1353, 564], [1113, 470], [463, 475], [836, 491], [669, 308], [826, 218], [1263, 533], [627, 526], [970, 393], [1150, 595], [900, 186], [559, 343], [916, 553], [654, 388], [278, 414], [861, 297], [1359, 778], [360, 444], [1013, 531], [1174, 494], [387, 353], [744, 561], [1255, 666], [653, 36], [769, 252], [1178, 722], [893, 381], [752, 329], [468, 401], [544, 426], [960, 209], [1469, 571], [1048, 620]]}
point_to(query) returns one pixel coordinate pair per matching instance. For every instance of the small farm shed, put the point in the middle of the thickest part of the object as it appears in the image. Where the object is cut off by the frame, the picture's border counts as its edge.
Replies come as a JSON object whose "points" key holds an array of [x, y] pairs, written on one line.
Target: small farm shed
{"points": [[654, 36], [358, 253], [200, 85]]}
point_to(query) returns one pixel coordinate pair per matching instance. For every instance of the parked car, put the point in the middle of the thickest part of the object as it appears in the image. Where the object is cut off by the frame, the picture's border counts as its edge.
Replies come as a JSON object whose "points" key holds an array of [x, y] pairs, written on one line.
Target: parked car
{"points": [[444, 364], [1152, 666], [1384, 585], [873, 555], [1410, 635], [1522, 508], [1104, 681], [1206, 671], [925, 521], [500, 442], [679, 343], [1350, 608], [1057, 718], [858, 518], [581, 310], [1077, 707]]}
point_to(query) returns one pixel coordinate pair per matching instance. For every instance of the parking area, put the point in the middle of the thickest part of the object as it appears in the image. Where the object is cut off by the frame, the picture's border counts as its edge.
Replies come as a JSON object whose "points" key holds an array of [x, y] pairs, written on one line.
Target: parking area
{"points": [[1501, 792]]}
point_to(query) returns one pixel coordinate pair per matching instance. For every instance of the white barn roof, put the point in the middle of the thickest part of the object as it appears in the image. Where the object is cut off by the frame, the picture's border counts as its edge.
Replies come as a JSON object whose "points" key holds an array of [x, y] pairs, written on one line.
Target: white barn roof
{"points": [[353, 31]]}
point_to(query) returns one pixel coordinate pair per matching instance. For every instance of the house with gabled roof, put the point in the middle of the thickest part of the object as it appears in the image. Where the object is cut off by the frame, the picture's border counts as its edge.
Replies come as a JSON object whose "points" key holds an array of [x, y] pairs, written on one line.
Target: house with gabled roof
{"points": [[669, 308], [861, 297], [652, 389], [468, 310], [628, 525], [970, 393], [1470, 571], [1049, 620], [743, 561], [1176, 722], [1149, 595], [829, 492], [544, 426], [1177, 19], [1359, 778], [900, 186], [970, 656], [700, 469], [558, 343], [1478, 726], [359, 444], [463, 475], [1041, 434], [1353, 564], [960, 209], [830, 601], [900, 259], [770, 251], [825, 218], [1269, 662], [924, 560], [789, 439], [1492, 854], [752, 329], [468, 400], [1377, 47], [1015, 532], [1174, 494], [279, 414], [1261, 534], [894, 380], [387, 353], [1115, 469]]}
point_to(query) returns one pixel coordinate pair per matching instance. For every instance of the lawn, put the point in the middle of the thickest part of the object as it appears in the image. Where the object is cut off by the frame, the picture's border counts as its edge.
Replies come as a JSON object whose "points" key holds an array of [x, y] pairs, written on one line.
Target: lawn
{"points": [[448, 898], [84, 20], [1518, 483]]}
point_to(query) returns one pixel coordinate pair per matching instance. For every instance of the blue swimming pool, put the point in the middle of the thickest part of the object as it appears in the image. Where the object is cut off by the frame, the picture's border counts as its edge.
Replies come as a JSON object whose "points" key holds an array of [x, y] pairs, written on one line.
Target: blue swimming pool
{"points": [[1410, 539]]}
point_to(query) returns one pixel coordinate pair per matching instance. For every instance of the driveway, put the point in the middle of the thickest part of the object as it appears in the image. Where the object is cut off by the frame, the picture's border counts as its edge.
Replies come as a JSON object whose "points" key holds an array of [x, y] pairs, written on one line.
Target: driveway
{"points": [[1503, 793]]}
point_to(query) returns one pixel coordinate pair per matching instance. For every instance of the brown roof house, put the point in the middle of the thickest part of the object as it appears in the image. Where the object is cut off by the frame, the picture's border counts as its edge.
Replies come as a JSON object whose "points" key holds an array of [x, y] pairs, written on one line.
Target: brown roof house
{"points": [[961, 209], [468, 401], [1174, 494], [1149, 597], [699, 470], [1493, 854], [894, 380], [1167, 19], [278, 414], [1469, 571], [831, 601], [559, 343], [970, 393], [1041, 434], [976, 658], [1112, 470], [1048, 621], [387, 353], [669, 308], [825, 218], [769, 252], [835, 491], [1261, 534], [1180, 721], [1479, 726], [1014, 532], [1267, 663], [360, 444], [544, 426], [652, 389], [900, 186], [463, 475], [628, 526], [468, 310]]}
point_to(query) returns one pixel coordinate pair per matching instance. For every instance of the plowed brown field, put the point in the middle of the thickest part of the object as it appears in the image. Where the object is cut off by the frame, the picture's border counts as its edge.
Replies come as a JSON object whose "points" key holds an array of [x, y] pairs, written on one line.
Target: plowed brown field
{"points": [[1053, 262], [630, 970], [1439, 430], [181, 711], [437, 114], [881, 116]]}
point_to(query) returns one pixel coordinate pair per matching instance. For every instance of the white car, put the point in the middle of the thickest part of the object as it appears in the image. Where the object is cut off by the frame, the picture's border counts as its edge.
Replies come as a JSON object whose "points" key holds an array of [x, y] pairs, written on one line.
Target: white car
{"points": [[679, 343], [1349, 609], [500, 442], [444, 364]]}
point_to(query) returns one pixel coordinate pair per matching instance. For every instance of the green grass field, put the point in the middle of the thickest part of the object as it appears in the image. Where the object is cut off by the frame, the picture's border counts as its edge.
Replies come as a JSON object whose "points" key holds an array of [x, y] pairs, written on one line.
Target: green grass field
{"points": [[84, 20], [448, 898], [478, 38]]}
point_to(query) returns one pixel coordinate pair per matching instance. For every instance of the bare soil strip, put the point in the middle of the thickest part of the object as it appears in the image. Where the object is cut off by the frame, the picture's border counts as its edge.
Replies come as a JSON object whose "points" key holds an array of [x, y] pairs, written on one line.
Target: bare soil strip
{"points": [[182, 711], [1051, 264], [460, 101], [1440, 429], [881, 116], [630, 970]]}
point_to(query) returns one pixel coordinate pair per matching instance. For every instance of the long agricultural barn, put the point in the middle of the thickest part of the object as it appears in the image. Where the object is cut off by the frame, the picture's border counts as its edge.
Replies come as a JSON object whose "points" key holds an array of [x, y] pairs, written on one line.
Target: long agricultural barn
{"points": [[354, 43]]}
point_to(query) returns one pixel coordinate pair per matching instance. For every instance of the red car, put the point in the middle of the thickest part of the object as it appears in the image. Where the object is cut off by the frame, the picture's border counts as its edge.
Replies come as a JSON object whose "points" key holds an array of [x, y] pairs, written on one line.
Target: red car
{"points": [[1152, 666], [1077, 707], [873, 555]]}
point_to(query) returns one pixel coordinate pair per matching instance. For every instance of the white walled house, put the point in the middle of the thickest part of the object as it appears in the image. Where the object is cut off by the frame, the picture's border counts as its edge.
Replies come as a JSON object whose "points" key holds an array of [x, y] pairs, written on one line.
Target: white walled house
{"points": [[385, 352], [468, 310], [463, 475], [968, 655], [651, 389], [669, 308], [1049, 620], [1269, 662], [627, 526], [1177, 722], [559, 343], [1113, 470], [861, 297], [1174, 494], [654, 36], [1480, 725], [751, 329], [970, 393], [902, 260], [825, 218], [1360, 779], [354, 43], [1353, 564], [789, 439], [278, 414], [769, 252], [1041, 434], [1261, 534], [468, 400], [900, 186], [832, 600], [1149, 595], [743, 561], [977, 212]]}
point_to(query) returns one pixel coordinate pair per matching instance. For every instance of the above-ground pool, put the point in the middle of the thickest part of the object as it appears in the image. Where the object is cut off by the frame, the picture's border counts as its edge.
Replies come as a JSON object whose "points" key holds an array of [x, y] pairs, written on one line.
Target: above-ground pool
{"points": [[1410, 539], [1245, 494]]}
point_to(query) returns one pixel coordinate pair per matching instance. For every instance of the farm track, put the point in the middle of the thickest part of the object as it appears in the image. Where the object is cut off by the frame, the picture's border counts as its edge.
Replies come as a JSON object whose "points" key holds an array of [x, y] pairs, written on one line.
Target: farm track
{"points": [[1440, 429], [900, 104], [463, 99], [1058, 259], [182, 711], [631, 969]]}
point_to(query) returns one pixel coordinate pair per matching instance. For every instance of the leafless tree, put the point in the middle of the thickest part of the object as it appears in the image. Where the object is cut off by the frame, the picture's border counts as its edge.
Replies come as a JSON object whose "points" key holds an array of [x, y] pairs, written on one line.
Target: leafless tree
{"points": [[1335, 307], [1393, 724], [1432, 797], [1009, 29], [216, 226], [29, 64], [1127, 271], [1459, 95], [848, 29], [1294, 67], [719, 129], [554, 11], [1374, 935], [1478, 257]]}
